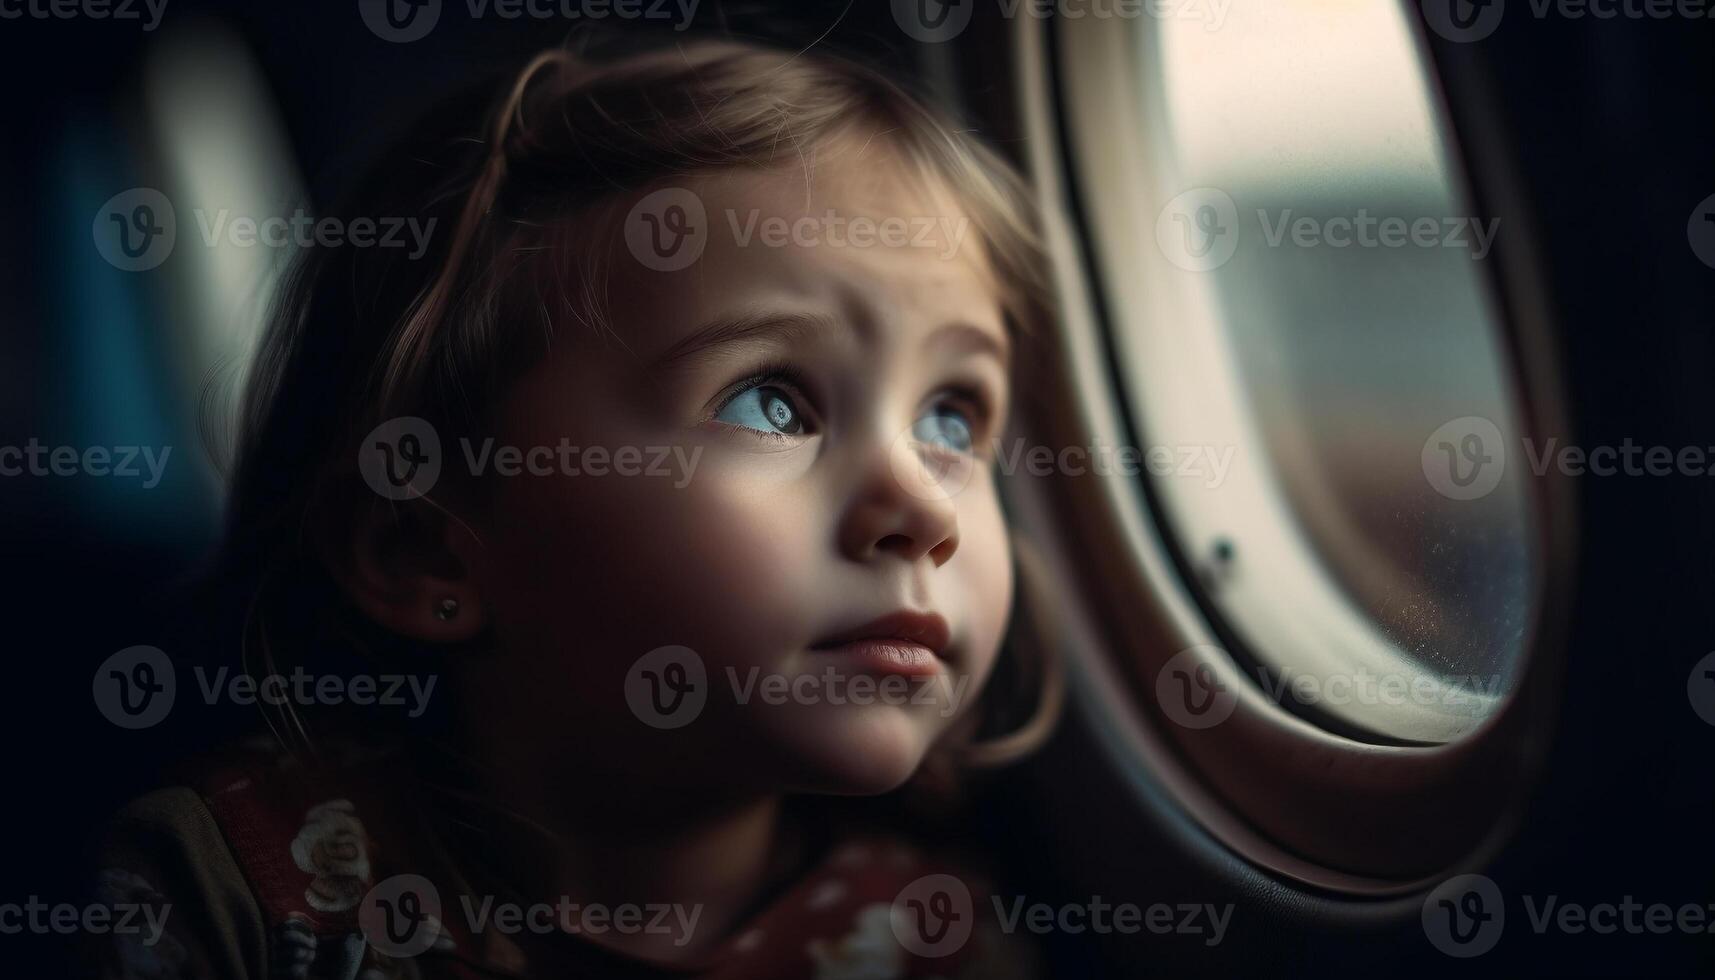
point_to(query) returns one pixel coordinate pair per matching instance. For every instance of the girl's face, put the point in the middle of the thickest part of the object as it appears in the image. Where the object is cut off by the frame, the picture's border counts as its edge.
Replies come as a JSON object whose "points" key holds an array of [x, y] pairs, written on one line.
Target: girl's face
{"points": [[812, 404]]}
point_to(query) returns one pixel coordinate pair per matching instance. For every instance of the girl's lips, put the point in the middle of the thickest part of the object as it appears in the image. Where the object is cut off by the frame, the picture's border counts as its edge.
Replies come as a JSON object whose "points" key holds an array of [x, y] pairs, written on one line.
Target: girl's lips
{"points": [[904, 642], [887, 656]]}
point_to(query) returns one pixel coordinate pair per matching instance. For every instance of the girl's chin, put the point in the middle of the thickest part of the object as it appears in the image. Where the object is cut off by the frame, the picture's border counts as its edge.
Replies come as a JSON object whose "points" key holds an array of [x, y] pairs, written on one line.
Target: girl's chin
{"points": [[861, 751]]}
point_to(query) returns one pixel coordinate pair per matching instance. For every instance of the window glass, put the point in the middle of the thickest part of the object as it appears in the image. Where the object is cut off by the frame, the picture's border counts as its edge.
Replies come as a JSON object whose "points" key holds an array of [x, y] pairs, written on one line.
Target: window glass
{"points": [[1322, 324]]}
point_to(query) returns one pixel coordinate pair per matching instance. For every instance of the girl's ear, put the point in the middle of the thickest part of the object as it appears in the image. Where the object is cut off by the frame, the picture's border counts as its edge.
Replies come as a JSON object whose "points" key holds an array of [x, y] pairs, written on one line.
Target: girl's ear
{"points": [[411, 567]]}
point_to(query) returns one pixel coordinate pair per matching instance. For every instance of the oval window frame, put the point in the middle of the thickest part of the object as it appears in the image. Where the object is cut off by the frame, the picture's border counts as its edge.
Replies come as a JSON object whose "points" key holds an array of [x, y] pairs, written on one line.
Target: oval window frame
{"points": [[1290, 796]]}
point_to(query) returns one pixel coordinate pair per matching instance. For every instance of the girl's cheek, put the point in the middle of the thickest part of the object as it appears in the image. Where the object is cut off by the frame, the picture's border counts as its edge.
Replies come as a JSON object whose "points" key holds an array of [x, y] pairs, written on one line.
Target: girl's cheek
{"points": [[756, 551], [985, 555], [716, 556]]}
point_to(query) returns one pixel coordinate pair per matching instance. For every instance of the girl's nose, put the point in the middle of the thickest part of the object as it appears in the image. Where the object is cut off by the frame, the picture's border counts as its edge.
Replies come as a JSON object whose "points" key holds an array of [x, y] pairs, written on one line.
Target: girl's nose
{"points": [[903, 508]]}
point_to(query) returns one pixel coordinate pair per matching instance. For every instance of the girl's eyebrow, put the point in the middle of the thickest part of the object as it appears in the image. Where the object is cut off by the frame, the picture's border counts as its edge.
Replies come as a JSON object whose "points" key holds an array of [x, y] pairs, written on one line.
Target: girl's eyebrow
{"points": [[799, 328], [790, 328], [968, 336]]}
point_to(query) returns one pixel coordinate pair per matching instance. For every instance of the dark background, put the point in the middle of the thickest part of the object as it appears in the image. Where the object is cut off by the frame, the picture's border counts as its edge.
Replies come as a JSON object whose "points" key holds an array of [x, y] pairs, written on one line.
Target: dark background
{"points": [[1597, 132]]}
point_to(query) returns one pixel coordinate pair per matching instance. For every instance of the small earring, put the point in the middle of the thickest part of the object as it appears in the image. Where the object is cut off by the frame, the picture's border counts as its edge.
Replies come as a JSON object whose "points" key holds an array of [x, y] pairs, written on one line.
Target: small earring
{"points": [[447, 608]]}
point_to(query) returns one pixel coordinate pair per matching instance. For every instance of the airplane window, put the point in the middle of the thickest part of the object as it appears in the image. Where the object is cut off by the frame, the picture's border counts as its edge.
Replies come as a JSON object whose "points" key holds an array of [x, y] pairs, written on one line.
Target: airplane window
{"points": [[1319, 361], [225, 162]]}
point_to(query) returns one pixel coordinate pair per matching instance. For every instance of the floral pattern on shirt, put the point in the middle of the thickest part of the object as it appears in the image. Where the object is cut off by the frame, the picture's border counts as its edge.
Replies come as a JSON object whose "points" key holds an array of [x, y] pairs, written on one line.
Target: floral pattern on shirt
{"points": [[869, 952], [332, 846]]}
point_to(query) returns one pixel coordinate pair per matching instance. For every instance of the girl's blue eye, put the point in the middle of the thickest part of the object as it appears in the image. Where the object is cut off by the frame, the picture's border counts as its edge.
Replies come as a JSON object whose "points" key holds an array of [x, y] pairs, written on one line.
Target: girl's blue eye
{"points": [[944, 426], [764, 408]]}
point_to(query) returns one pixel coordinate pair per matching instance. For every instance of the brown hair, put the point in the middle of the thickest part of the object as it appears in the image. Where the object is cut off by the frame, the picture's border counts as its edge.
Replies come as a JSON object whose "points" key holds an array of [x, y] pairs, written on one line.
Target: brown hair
{"points": [[362, 336]]}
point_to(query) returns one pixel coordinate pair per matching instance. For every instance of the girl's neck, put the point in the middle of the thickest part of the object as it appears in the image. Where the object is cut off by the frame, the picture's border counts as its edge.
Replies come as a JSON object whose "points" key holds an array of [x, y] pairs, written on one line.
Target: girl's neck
{"points": [[714, 865], [709, 868]]}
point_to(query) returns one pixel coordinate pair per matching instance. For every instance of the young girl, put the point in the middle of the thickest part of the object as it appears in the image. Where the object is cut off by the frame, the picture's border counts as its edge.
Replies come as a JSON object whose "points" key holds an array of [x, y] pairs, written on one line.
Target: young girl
{"points": [[667, 469]]}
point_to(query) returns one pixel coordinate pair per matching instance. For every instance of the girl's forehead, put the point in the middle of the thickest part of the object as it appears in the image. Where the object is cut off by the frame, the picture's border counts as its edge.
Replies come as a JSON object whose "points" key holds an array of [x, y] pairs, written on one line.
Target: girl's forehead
{"points": [[836, 242], [855, 180]]}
